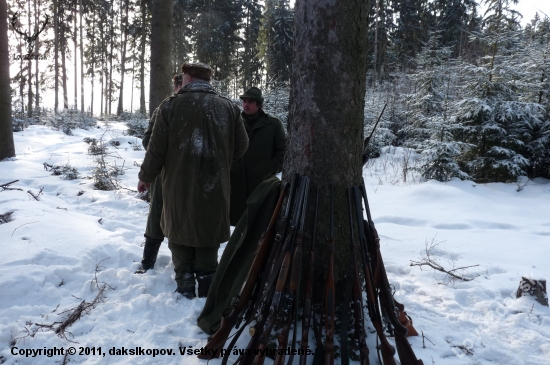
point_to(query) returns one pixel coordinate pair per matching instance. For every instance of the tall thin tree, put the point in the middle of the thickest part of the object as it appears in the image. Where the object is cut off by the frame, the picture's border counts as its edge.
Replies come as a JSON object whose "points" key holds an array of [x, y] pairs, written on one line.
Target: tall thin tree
{"points": [[7, 147]]}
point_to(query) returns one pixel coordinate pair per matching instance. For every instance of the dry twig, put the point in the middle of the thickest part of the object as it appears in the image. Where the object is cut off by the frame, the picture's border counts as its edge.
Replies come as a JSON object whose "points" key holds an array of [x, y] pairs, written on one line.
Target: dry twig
{"points": [[6, 186], [429, 258]]}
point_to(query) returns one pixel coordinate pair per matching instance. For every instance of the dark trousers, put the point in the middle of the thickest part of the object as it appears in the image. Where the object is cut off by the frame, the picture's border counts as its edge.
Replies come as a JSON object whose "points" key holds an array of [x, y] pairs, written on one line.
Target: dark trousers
{"points": [[153, 229], [193, 260]]}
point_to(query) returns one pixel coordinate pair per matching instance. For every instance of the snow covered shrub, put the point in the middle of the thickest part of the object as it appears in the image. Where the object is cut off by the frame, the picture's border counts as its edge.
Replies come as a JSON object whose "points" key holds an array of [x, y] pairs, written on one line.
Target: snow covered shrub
{"points": [[68, 172], [68, 120], [18, 124], [137, 127]]}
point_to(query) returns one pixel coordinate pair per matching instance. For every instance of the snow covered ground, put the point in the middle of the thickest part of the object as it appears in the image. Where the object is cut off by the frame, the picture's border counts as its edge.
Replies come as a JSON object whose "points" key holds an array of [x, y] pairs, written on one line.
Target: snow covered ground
{"points": [[55, 252]]}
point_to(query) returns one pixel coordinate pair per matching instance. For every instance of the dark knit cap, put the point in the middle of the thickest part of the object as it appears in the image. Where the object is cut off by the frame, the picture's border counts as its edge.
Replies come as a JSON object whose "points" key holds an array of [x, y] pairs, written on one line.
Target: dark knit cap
{"points": [[254, 94], [197, 70]]}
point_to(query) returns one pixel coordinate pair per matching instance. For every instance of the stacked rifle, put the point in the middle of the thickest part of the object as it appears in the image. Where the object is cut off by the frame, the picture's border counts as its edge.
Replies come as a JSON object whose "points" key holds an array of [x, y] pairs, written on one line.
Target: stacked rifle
{"points": [[270, 294]]}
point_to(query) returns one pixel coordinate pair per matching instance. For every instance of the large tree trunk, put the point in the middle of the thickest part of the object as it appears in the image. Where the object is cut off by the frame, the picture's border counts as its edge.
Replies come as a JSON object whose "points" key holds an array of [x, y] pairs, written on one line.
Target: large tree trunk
{"points": [[56, 54], [124, 30], [64, 69], [29, 66], [7, 148], [161, 46], [110, 80], [75, 59], [325, 128], [37, 49], [93, 68], [81, 60], [142, 107]]}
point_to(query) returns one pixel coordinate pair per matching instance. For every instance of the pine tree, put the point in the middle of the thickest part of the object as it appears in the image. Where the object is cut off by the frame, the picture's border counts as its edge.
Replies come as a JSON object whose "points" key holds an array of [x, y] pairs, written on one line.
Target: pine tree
{"points": [[251, 65], [216, 38], [432, 126], [494, 119], [276, 41]]}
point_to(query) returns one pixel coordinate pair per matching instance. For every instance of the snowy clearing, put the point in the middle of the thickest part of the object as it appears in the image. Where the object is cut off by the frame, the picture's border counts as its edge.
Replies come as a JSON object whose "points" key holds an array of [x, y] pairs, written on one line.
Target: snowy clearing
{"points": [[56, 251]]}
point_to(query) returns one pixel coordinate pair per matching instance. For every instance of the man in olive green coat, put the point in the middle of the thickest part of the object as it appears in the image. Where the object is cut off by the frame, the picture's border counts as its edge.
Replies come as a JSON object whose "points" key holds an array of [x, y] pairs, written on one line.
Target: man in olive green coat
{"points": [[196, 136], [239, 254], [153, 233], [264, 157]]}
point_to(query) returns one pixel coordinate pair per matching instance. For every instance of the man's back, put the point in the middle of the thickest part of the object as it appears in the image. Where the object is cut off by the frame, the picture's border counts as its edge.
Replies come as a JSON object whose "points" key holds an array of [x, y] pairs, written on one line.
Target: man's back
{"points": [[196, 137]]}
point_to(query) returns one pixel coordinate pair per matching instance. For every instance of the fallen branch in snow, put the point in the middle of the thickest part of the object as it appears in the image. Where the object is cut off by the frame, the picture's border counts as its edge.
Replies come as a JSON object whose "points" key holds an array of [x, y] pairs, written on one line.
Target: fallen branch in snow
{"points": [[60, 327], [466, 350], [6, 217], [22, 226], [6, 186], [428, 258], [36, 197]]}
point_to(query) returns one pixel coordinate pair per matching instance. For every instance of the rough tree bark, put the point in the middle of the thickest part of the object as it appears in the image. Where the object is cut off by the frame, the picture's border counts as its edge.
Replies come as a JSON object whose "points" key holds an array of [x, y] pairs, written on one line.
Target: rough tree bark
{"points": [[124, 30], [81, 59], [56, 54], [37, 50], [29, 66], [161, 47], [325, 128], [142, 107], [7, 148]]}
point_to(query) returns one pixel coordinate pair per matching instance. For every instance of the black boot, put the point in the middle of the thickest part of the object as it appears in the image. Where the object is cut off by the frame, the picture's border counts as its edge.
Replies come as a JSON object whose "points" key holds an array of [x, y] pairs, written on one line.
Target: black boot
{"points": [[186, 286], [150, 252], [204, 280]]}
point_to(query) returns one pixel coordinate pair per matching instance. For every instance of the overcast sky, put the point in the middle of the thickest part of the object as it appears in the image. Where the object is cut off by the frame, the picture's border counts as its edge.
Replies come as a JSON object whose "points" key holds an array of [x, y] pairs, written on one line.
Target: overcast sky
{"points": [[528, 8]]}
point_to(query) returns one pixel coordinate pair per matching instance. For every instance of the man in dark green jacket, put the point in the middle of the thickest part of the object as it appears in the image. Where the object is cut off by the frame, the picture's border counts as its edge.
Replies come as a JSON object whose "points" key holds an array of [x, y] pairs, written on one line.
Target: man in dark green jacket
{"points": [[153, 232], [264, 157], [196, 136]]}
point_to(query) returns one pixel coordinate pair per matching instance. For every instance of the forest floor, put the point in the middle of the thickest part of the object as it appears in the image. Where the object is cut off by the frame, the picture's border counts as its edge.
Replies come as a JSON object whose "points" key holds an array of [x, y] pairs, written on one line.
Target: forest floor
{"points": [[77, 247]]}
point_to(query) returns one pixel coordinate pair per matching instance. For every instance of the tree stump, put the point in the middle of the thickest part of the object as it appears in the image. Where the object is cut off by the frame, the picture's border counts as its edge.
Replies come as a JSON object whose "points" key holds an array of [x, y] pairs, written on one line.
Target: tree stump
{"points": [[534, 288]]}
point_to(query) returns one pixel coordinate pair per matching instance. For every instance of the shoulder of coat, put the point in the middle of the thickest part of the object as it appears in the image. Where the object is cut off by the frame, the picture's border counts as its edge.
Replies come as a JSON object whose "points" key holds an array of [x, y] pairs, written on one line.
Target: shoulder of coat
{"points": [[273, 119]]}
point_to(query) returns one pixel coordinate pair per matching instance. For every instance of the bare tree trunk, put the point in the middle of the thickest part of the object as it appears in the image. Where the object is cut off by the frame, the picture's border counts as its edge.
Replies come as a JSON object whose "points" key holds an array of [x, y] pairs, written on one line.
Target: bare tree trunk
{"points": [[29, 66], [133, 79], [64, 69], [93, 68], [75, 32], [56, 52], [161, 46], [7, 147], [142, 107], [37, 48], [123, 27], [81, 60], [110, 81], [326, 111]]}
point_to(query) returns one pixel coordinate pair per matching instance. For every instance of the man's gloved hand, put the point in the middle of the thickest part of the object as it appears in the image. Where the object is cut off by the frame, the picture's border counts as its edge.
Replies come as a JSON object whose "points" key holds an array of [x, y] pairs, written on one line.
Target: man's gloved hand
{"points": [[143, 186]]}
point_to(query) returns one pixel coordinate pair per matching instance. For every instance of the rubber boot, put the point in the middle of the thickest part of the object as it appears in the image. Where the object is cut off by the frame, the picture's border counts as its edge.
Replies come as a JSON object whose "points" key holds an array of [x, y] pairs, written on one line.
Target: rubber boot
{"points": [[204, 280], [186, 286], [150, 253]]}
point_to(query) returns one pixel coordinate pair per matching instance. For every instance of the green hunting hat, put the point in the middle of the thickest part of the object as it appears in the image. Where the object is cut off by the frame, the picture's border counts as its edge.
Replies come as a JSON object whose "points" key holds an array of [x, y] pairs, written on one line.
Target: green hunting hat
{"points": [[198, 69], [254, 94]]}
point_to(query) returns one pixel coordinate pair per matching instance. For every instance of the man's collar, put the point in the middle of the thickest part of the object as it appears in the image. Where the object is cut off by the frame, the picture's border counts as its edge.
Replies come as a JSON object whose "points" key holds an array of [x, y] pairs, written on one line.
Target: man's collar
{"points": [[198, 85]]}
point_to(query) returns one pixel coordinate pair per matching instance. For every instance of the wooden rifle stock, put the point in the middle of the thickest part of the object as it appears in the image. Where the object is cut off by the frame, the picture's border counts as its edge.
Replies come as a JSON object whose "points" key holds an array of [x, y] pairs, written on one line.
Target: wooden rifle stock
{"points": [[293, 295], [404, 349], [291, 305], [359, 320], [306, 318], [218, 339], [387, 350], [273, 310], [329, 289]]}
